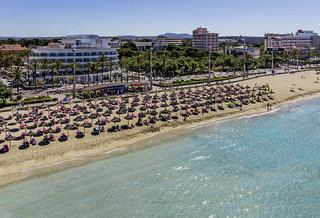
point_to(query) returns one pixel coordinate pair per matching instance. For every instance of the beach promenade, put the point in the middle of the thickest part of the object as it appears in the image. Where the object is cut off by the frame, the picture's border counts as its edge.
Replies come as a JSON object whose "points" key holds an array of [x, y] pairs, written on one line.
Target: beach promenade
{"points": [[126, 129]]}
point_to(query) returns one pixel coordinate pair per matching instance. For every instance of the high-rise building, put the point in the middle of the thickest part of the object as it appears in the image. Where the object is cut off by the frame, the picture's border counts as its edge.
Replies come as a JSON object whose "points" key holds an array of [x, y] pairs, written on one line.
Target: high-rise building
{"points": [[203, 39]]}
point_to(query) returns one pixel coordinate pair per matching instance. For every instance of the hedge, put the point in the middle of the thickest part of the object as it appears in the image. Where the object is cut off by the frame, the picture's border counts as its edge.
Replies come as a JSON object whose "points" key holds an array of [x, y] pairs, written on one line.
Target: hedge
{"points": [[195, 81], [30, 100]]}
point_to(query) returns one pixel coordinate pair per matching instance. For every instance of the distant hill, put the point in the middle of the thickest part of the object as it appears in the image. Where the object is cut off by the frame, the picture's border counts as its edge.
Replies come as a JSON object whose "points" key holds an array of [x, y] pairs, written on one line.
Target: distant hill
{"points": [[177, 35], [132, 37], [169, 35]]}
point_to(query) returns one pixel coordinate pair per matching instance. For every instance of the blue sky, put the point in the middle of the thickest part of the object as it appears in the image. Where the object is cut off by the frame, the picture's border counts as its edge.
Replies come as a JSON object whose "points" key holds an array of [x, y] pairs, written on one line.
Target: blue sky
{"points": [[152, 17]]}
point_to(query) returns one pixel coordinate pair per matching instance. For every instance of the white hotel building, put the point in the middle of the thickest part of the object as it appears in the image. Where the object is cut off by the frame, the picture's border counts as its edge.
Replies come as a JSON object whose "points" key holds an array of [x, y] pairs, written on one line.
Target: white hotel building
{"points": [[80, 48], [302, 40]]}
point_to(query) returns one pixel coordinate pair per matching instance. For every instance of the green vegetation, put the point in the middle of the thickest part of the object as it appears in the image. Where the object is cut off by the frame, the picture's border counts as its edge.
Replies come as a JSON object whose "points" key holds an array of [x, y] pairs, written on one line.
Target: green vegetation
{"points": [[5, 93], [89, 94], [168, 62], [195, 81], [30, 100], [24, 42], [184, 60], [7, 99]]}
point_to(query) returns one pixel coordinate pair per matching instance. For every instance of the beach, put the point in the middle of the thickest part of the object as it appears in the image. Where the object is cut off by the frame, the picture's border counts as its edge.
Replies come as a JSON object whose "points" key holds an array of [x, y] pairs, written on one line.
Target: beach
{"points": [[36, 161]]}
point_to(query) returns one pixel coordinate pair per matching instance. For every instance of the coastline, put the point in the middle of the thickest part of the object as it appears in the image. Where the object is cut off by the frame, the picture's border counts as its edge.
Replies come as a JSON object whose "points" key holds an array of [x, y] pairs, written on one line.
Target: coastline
{"points": [[13, 172]]}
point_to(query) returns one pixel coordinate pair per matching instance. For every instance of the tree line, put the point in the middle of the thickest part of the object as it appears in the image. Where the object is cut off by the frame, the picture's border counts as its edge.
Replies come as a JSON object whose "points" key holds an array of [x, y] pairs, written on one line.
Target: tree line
{"points": [[175, 60], [167, 62]]}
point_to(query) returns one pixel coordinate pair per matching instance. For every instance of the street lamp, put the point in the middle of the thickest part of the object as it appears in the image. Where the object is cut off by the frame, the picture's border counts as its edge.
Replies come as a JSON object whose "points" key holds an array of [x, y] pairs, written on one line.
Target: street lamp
{"points": [[74, 73], [244, 58], [209, 64], [151, 73], [272, 63], [297, 60]]}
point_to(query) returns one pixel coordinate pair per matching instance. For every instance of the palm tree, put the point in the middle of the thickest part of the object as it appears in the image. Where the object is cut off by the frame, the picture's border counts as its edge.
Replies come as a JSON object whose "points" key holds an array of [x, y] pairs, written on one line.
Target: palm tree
{"points": [[110, 65], [44, 66], [102, 60], [286, 57], [57, 66], [34, 66], [122, 65], [87, 67], [72, 66], [28, 67], [27, 54], [52, 69], [93, 69], [116, 66], [138, 60], [294, 55], [317, 54], [17, 76]]}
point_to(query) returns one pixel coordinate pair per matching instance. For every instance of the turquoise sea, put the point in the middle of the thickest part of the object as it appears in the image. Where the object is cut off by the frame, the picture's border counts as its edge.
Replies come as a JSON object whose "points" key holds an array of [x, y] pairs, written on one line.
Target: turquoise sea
{"points": [[260, 166]]}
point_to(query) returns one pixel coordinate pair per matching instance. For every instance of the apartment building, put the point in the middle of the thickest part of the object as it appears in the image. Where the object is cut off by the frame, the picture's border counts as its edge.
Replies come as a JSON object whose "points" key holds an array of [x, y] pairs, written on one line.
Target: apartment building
{"points": [[203, 39]]}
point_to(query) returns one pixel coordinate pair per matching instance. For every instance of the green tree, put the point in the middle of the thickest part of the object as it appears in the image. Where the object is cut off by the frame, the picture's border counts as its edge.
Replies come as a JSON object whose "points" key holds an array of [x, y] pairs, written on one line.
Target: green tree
{"points": [[18, 76], [57, 67], [44, 66], [5, 93], [110, 65], [102, 62], [93, 69], [34, 65]]}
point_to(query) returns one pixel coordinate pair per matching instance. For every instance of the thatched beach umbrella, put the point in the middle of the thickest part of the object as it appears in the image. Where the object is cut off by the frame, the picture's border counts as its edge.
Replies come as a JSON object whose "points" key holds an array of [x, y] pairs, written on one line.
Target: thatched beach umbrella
{"points": [[129, 117], [115, 120]]}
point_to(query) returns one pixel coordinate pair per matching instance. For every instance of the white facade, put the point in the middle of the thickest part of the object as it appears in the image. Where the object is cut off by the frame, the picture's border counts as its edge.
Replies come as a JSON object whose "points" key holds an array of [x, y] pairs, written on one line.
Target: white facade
{"points": [[300, 40], [241, 50], [81, 48], [143, 45], [67, 55], [86, 41]]}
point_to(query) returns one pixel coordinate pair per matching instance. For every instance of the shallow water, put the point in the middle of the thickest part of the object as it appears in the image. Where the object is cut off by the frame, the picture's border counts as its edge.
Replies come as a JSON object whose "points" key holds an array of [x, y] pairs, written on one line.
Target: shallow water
{"points": [[263, 166]]}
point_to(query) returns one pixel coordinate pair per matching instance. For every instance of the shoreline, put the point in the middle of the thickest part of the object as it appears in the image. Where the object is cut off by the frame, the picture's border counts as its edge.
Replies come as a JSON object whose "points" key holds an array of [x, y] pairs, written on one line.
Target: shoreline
{"points": [[20, 166], [78, 158]]}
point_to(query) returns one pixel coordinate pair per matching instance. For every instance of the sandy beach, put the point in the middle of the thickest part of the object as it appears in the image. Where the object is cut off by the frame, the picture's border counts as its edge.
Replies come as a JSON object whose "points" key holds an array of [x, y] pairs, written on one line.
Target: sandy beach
{"points": [[36, 161]]}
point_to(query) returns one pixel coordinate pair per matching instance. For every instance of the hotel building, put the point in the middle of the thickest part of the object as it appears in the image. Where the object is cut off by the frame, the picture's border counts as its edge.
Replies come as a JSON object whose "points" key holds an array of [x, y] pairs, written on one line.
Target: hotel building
{"points": [[203, 39], [82, 48], [302, 40], [164, 41]]}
